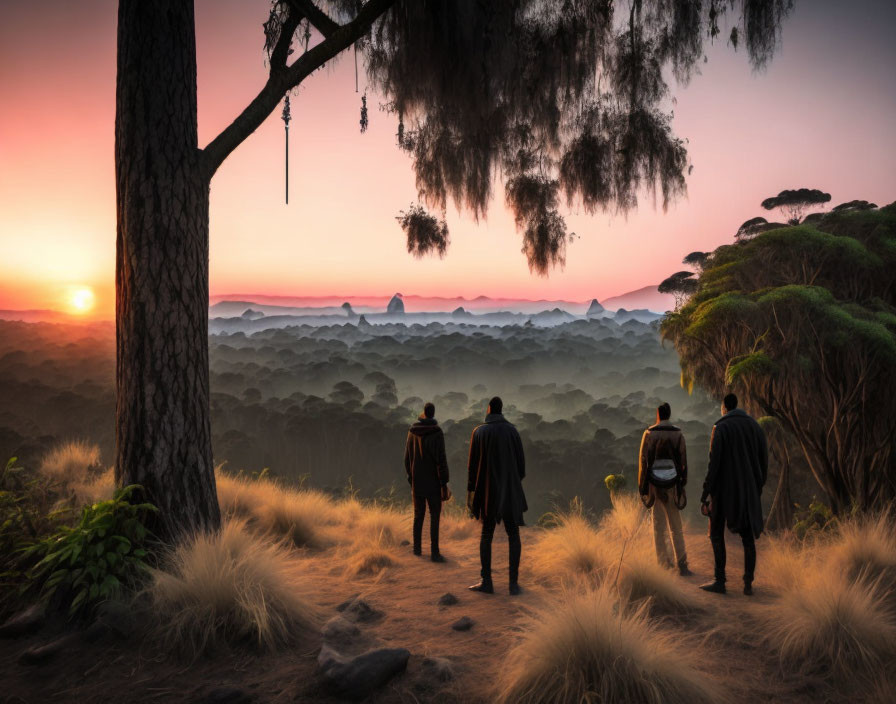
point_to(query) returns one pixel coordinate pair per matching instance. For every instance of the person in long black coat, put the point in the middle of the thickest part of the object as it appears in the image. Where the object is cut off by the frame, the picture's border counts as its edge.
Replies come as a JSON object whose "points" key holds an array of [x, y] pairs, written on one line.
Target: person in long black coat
{"points": [[732, 491], [427, 468], [495, 495]]}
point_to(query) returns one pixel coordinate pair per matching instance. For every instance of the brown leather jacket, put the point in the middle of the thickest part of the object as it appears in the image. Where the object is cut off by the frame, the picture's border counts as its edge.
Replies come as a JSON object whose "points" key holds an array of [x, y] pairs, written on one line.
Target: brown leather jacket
{"points": [[666, 440]]}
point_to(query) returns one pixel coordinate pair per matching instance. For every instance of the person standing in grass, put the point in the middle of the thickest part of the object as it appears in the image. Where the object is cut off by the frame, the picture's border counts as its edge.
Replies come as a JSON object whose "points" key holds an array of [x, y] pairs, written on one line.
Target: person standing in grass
{"points": [[427, 468], [738, 468], [495, 490], [662, 475]]}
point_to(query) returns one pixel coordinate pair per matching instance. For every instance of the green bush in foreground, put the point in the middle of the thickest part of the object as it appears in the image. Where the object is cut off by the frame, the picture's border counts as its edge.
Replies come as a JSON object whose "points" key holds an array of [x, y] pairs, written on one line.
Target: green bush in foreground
{"points": [[95, 560]]}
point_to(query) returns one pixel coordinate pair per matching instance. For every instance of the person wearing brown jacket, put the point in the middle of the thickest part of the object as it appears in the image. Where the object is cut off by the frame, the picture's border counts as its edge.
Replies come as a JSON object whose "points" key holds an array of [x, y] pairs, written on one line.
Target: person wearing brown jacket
{"points": [[662, 475], [427, 468]]}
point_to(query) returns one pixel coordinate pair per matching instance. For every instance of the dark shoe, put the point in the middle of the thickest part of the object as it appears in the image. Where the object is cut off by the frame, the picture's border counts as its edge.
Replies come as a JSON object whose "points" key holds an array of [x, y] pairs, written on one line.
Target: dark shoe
{"points": [[748, 589], [437, 558], [685, 572], [484, 586], [515, 589], [418, 551], [716, 587]]}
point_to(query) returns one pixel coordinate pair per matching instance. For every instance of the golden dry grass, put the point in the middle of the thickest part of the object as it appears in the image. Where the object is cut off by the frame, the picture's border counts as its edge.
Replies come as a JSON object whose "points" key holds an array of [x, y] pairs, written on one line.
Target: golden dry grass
{"points": [[665, 594], [572, 550], [71, 462], [831, 626], [589, 648], [232, 586], [300, 516], [866, 548], [93, 489]]}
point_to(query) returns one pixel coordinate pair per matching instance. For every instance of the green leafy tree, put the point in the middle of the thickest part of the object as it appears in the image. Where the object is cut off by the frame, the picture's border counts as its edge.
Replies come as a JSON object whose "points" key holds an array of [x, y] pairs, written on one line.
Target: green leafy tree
{"points": [[681, 285], [555, 98], [802, 322]]}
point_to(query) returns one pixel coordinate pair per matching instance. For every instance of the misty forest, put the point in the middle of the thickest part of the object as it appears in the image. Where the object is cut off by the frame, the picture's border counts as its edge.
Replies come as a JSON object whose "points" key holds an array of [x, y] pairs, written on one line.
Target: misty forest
{"points": [[207, 498]]}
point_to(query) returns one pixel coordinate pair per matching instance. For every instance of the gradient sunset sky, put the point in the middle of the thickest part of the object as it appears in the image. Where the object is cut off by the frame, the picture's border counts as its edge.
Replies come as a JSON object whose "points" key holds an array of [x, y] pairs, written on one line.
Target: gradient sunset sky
{"points": [[821, 116]]}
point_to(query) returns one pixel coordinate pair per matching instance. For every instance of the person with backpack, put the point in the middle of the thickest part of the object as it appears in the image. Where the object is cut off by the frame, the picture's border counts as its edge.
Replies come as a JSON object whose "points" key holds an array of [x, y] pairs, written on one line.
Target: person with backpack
{"points": [[662, 475], [427, 468]]}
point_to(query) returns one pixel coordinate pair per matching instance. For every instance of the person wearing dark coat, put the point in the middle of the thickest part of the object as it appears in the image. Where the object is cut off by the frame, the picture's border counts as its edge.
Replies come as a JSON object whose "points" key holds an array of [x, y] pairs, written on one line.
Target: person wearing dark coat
{"points": [[495, 495], [732, 491], [427, 468]]}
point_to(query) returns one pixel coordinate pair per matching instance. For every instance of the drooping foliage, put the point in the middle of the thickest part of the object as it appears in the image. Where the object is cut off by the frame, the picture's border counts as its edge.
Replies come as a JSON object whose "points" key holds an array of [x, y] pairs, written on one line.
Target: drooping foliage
{"points": [[425, 232], [802, 322], [564, 97]]}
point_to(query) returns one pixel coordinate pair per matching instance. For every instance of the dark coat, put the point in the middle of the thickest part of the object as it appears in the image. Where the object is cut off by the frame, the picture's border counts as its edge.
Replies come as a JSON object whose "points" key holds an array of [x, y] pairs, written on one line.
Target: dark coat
{"points": [[738, 468], [424, 458], [496, 470]]}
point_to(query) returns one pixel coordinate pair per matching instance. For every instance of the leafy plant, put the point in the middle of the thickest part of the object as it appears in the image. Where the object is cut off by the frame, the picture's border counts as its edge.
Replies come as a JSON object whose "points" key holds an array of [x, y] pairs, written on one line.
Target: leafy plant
{"points": [[94, 560], [25, 517], [615, 482], [814, 520]]}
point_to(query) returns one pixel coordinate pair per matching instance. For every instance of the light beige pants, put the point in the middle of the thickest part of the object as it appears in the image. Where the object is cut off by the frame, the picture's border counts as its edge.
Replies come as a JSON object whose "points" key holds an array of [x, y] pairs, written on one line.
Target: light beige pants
{"points": [[666, 520]]}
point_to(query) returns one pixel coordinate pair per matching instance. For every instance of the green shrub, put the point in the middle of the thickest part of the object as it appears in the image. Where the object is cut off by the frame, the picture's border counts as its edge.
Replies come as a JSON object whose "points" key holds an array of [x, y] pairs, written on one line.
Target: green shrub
{"points": [[615, 482], [26, 516], [95, 560], [814, 520]]}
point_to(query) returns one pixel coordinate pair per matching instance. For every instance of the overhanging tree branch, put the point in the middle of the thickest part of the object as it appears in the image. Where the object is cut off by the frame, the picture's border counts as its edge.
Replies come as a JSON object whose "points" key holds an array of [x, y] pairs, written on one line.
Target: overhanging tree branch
{"points": [[319, 19], [289, 77]]}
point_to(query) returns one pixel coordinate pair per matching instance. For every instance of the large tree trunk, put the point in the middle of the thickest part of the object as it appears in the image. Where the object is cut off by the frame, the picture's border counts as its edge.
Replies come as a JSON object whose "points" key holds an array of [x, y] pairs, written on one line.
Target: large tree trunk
{"points": [[162, 427]]}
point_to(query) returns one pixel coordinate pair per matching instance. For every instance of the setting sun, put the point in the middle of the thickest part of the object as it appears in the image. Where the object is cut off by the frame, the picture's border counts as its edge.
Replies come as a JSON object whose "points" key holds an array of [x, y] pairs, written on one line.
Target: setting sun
{"points": [[81, 299]]}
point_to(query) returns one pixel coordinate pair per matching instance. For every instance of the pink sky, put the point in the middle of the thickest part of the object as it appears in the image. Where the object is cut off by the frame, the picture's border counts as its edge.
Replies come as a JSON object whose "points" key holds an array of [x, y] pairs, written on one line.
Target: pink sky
{"points": [[821, 116]]}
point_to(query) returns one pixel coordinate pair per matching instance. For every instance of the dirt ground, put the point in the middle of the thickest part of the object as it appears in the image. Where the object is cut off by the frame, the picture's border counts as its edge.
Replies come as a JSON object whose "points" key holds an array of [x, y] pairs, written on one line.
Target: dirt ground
{"points": [[112, 670]]}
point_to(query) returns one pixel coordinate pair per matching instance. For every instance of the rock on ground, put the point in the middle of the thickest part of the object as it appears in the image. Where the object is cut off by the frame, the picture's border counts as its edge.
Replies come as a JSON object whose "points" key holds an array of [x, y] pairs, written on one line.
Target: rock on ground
{"points": [[463, 624], [359, 610], [448, 600], [339, 628], [360, 676], [28, 621]]}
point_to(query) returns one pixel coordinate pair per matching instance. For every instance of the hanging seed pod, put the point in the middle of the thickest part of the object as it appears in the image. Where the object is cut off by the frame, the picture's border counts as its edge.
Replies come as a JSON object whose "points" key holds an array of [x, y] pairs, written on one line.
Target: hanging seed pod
{"points": [[364, 121]]}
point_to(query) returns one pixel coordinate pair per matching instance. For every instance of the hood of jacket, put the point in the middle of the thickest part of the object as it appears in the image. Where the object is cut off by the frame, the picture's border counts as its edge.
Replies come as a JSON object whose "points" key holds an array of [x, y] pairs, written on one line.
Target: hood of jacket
{"points": [[425, 426]]}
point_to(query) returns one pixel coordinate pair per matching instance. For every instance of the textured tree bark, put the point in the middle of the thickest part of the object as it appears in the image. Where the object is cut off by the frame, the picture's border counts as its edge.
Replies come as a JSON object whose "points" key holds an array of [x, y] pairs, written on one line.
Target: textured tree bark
{"points": [[162, 426]]}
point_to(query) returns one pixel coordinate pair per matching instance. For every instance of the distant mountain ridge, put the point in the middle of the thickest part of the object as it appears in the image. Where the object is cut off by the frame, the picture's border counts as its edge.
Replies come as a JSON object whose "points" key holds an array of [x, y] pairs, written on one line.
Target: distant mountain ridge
{"points": [[644, 298]]}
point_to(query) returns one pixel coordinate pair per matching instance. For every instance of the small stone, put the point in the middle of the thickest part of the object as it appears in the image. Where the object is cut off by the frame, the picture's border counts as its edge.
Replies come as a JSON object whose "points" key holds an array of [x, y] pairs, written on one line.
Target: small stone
{"points": [[448, 599], [359, 610], [348, 602], [339, 628], [405, 543], [359, 677], [28, 621], [48, 651], [438, 669], [463, 624]]}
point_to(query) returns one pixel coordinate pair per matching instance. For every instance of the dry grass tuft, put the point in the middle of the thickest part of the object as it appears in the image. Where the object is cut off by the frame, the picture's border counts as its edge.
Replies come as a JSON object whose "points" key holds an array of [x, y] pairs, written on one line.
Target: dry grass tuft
{"points": [[299, 516], [71, 463], [93, 489], [387, 526], [828, 625], [368, 557], [663, 591], [231, 586], [590, 649], [572, 550], [867, 549]]}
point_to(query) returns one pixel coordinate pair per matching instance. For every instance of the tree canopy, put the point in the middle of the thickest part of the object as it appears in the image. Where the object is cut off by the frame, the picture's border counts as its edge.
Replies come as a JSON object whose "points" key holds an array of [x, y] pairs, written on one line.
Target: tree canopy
{"points": [[801, 320], [795, 202]]}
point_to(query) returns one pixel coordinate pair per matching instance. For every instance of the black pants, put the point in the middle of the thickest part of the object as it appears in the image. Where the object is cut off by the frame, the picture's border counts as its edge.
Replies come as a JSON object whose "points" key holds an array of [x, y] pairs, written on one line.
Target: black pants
{"points": [[435, 511], [485, 548], [717, 538]]}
